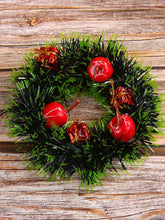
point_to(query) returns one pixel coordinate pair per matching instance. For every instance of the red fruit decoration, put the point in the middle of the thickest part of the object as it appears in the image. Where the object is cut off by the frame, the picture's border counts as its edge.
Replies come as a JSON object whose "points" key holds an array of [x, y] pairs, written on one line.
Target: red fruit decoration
{"points": [[121, 127], [78, 132], [48, 56], [100, 69], [55, 114]]}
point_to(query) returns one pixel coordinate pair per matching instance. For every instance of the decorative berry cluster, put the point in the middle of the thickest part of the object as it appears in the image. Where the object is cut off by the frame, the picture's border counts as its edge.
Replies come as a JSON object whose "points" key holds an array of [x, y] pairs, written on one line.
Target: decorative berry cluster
{"points": [[48, 57], [78, 132]]}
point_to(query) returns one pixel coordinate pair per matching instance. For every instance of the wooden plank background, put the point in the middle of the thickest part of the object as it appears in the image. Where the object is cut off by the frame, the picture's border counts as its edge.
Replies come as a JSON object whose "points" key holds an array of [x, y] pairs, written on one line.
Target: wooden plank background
{"points": [[24, 25]]}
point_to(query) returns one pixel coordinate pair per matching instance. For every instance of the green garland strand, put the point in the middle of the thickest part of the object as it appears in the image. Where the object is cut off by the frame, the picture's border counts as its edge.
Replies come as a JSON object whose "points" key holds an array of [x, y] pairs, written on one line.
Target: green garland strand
{"points": [[50, 150]]}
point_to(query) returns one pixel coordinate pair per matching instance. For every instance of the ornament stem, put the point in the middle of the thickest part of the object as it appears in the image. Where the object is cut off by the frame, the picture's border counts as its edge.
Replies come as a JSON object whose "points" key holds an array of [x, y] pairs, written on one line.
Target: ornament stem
{"points": [[116, 104], [112, 90], [73, 106], [117, 112]]}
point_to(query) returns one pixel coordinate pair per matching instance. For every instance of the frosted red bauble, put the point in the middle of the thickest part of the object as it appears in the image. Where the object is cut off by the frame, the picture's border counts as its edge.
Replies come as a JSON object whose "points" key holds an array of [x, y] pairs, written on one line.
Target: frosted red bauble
{"points": [[100, 69], [123, 131], [55, 114]]}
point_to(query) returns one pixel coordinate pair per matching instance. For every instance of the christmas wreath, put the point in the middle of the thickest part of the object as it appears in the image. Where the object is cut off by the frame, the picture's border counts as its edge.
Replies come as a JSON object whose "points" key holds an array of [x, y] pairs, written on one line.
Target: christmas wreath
{"points": [[90, 67]]}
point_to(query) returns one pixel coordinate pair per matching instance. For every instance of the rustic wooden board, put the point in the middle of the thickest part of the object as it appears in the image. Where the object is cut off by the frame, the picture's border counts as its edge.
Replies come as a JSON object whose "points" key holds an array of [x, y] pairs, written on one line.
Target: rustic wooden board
{"points": [[139, 195], [26, 24]]}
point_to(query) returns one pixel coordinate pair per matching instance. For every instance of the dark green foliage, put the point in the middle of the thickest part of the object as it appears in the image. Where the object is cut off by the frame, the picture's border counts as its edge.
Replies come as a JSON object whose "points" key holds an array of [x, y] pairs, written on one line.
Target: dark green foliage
{"points": [[50, 150]]}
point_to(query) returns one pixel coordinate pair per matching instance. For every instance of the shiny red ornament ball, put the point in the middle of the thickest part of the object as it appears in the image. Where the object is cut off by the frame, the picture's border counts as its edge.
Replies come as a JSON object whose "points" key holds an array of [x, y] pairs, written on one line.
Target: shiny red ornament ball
{"points": [[100, 69], [55, 114], [124, 130]]}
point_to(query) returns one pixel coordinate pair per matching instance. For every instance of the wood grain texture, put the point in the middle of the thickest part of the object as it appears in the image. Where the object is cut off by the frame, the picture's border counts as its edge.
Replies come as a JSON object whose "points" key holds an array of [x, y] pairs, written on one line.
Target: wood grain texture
{"points": [[139, 195], [26, 24]]}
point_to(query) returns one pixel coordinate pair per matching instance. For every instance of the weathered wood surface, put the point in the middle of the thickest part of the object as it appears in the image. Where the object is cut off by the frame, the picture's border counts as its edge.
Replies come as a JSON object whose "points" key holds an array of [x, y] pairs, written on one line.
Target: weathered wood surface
{"points": [[24, 25], [140, 195]]}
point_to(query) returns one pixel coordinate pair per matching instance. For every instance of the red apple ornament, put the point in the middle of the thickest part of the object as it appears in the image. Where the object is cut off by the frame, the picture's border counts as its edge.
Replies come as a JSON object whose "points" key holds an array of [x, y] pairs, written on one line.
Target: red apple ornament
{"points": [[122, 129], [55, 114], [100, 69]]}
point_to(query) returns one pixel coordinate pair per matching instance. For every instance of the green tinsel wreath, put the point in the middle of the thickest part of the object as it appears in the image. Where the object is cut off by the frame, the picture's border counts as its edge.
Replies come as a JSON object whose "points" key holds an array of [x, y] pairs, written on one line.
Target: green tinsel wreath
{"points": [[39, 82]]}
